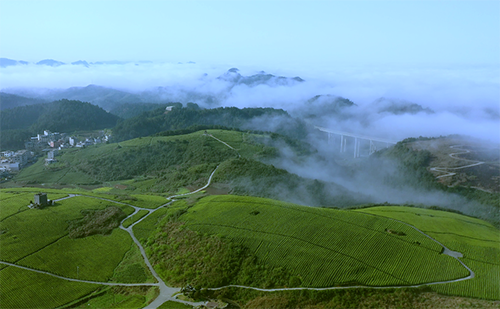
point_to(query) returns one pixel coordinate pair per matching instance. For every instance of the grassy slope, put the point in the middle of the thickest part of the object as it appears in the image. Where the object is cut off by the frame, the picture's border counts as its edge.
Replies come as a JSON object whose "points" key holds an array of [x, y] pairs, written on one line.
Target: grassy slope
{"points": [[167, 164], [325, 247], [127, 159], [477, 240]]}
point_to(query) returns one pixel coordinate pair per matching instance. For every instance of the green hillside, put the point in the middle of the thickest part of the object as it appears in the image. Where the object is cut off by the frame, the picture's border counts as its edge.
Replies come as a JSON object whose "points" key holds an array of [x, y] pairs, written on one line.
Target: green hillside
{"points": [[129, 110], [167, 164], [165, 158], [325, 247], [328, 247], [8, 100], [159, 120]]}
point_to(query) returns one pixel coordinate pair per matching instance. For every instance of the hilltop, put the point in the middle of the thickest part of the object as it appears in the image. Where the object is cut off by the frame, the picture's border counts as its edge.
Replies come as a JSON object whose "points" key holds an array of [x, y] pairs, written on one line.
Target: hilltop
{"points": [[462, 162], [260, 119]]}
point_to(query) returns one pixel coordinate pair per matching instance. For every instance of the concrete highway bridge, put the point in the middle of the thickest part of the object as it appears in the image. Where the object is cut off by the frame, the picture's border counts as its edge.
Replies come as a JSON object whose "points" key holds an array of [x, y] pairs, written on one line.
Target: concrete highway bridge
{"points": [[356, 138]]}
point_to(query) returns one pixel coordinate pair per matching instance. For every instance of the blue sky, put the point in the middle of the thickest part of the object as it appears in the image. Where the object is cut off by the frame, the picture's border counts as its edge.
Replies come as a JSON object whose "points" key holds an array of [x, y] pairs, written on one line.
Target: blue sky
{"points": [[296, 33], [444, 55]]}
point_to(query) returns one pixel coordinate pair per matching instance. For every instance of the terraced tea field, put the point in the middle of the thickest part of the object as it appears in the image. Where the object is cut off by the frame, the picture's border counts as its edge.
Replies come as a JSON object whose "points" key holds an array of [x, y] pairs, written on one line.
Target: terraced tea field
{"points": [[478, 240], [38, 240], [367, 247], [327, 247]]}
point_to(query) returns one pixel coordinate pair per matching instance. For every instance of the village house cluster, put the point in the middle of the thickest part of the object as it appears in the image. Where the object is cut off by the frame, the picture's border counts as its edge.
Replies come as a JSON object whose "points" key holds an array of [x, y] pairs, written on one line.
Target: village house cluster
{"points": [[15, 160], [60, 141], [48, 142]]}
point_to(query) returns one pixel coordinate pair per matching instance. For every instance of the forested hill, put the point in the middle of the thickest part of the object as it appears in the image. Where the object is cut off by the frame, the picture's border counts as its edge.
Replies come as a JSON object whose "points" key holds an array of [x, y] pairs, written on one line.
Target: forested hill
{"points": [[130, 110], [8, 100], [19, 123], [63, 115], [263, 119]]}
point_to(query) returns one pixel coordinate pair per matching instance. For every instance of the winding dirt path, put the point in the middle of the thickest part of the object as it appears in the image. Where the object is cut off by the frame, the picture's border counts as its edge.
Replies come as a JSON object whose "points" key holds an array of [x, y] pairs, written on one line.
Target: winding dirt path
{"points": [[452, 155]]}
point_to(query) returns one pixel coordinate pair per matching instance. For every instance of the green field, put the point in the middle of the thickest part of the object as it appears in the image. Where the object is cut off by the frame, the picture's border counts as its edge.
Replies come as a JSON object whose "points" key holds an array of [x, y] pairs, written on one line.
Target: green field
{"points": [[143, 229], [477, 240], [27, 289], [313, 247], [325, 247], [328, 247], [38, 239]]}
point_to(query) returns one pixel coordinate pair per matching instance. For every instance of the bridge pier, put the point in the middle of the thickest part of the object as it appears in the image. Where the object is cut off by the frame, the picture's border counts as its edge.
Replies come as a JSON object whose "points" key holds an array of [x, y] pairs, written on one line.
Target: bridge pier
{"points": [[357, 140], [357, 145], [373, 148]]}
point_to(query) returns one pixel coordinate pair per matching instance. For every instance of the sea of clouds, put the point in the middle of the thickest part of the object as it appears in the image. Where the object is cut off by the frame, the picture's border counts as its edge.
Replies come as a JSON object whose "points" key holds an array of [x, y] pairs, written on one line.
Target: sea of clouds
{"points": [[465, 99]]}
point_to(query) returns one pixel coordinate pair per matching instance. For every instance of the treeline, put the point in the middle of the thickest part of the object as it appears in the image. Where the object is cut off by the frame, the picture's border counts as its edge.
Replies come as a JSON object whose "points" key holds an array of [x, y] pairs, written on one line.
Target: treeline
{"points": [[14, 139], [129, 110], [18, 124], [159, 120]]}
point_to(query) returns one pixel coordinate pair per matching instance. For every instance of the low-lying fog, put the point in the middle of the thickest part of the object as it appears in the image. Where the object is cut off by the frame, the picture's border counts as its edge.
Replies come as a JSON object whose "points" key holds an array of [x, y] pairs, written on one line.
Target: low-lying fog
{"points": [[390, 102]]}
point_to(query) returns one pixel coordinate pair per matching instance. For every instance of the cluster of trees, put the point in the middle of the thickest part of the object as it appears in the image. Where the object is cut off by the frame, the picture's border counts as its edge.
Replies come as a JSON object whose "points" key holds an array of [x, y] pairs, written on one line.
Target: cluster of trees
{"points": [[187, 257], [411, 167], [96, 222]]}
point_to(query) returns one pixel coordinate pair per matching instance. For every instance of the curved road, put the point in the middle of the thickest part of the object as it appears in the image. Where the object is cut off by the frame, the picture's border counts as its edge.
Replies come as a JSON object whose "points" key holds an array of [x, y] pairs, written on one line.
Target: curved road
{"points": [[452, 155]]}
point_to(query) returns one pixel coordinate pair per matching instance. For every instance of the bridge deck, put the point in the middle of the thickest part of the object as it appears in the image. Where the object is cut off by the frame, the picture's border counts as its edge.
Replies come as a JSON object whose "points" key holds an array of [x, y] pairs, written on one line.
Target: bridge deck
{"points": [[355, 135]]}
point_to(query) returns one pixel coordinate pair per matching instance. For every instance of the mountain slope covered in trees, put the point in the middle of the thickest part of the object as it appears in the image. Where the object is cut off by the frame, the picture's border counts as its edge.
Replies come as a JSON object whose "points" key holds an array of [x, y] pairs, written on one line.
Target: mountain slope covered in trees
{"points": [[263, 119]]}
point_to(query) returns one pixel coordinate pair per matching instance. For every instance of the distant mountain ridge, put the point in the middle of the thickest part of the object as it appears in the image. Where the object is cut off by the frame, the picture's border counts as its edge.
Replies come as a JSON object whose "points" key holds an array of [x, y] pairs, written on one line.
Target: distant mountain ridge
{"points": [[8, 100], [5, 62], [233, 76], [399, 107], [50, 62]]}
